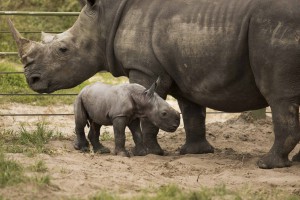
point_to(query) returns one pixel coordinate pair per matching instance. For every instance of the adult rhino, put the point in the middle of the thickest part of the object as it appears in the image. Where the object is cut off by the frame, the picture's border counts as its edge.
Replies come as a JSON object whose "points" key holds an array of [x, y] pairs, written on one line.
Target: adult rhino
{"points": [[229, 55]]}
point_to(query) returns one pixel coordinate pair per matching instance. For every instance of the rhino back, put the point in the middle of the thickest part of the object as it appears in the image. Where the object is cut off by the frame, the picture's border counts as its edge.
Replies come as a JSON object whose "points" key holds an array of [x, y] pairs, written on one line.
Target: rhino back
{"points": [[202, 44], [105, 102]]}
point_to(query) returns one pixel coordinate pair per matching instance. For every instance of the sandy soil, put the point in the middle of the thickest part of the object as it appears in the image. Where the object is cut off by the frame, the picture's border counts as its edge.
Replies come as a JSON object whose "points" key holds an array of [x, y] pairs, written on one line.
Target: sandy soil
{"points": [[239, 143]]}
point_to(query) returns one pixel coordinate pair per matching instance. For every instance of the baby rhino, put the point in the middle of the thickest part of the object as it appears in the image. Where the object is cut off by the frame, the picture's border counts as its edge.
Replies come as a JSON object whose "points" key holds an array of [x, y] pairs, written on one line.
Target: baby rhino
{"points": [[120, 105]]}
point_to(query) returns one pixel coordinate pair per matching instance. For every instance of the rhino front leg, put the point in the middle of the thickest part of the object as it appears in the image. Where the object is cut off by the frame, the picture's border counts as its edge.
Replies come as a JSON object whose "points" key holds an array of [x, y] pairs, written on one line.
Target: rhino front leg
{"points": [[119, 125], [149, 131], [93, 136], [194, 124], [139, 149], [287, 134]]}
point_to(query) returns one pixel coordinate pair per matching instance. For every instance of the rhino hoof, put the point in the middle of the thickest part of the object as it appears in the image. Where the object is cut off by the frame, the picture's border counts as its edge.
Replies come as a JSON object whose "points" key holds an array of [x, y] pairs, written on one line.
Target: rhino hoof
{"points": [[122, 153], [155, 151], [84, 147], [271, 161], [102, 150], [139, 151], [197, 148]]}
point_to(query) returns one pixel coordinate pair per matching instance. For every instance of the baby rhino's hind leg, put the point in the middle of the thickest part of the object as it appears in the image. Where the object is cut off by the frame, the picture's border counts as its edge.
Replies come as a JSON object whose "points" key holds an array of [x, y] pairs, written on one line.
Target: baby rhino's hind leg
{"points": [[93, 136], [81, 142]]}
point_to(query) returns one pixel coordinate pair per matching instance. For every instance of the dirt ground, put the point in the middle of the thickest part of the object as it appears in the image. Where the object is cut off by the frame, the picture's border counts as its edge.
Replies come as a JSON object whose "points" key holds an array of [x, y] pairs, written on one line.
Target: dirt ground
{"points": [[239, 143]]}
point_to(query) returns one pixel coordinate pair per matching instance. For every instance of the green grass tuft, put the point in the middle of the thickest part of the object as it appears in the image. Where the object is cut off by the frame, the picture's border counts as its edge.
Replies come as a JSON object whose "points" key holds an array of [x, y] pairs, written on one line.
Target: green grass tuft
{"points": [[41, 180], [103, 195], [106, 136], [39, 166], [27, 141], [11, 172], [173, 192]]}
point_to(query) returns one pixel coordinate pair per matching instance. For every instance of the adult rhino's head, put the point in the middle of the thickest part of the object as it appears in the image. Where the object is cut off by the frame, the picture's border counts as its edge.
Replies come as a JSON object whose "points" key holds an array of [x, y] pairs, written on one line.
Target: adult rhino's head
{"points": [[157, 110], [63, 60]]}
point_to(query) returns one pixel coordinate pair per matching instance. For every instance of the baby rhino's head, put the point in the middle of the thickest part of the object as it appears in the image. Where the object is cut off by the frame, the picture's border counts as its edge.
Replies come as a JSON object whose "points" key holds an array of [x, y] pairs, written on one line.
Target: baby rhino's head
{"points": [[157, 110]]}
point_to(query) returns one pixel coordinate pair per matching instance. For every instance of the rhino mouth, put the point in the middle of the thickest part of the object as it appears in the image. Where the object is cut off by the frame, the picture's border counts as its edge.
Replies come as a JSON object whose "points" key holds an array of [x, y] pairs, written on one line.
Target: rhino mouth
{"points": [[38, 84], [171, 128]]}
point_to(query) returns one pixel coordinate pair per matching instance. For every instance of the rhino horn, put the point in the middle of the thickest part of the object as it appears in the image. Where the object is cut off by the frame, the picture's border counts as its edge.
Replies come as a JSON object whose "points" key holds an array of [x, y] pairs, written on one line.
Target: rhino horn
{"points": [[22, 43]]}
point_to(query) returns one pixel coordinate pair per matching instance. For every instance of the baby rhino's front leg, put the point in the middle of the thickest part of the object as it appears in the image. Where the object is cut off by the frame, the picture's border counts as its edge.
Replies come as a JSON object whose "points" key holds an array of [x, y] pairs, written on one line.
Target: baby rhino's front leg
{"points": [[139, 149], [119, 125]]}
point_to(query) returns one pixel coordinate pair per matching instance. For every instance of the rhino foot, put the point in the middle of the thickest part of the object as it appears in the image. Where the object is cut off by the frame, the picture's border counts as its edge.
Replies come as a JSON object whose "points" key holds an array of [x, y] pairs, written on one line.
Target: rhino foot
{"points": [[82, 146], [102, 150], [271, 161], [123, 153], [197, 148], [156, 151], [139, 151], [152, 147]]}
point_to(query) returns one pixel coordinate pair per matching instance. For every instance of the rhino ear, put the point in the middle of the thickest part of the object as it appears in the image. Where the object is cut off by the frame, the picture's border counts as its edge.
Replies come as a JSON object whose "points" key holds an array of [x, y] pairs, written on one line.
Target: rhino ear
{"points": [[91, 2], [151, 90], [47, 37], [82, 3]]}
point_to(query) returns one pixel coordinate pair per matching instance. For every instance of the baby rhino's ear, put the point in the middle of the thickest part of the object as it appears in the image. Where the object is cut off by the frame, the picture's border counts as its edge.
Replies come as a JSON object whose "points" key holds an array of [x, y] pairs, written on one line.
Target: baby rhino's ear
{"points": [[138, 100], [151, 90]]}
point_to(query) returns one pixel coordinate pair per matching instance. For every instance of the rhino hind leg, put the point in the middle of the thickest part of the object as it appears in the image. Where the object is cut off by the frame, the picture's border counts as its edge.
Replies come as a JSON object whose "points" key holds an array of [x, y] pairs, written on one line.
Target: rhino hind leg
{"points": [[194, 123], [81, 142], [287, 135], [93, 137]]}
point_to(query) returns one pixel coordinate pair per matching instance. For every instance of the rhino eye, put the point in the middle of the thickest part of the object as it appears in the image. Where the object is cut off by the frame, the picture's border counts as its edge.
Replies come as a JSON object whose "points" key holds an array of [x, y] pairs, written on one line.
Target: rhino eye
{"points": [[63, 49], [164, 114]]}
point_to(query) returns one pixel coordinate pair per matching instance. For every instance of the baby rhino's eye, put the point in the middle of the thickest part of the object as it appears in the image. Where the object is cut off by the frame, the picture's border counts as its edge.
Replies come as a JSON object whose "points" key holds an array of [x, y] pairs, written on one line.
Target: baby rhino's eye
{"points": [[63, 49], [164, 113]]}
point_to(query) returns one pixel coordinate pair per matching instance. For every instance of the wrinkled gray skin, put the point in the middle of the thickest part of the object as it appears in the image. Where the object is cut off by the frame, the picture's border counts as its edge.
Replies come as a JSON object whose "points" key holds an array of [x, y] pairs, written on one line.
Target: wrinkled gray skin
{"points": [[229, 55], [120, 105]]}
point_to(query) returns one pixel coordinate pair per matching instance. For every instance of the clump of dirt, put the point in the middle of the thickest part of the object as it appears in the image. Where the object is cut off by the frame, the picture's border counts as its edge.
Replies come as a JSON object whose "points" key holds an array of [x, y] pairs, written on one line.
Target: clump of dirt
{"points": [[239, 142]]}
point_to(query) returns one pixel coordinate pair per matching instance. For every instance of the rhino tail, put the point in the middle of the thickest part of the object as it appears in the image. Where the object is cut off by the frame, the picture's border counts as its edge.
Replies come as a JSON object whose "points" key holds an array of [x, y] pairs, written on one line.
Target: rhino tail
{"points": [[81, 113], [88, 119]]}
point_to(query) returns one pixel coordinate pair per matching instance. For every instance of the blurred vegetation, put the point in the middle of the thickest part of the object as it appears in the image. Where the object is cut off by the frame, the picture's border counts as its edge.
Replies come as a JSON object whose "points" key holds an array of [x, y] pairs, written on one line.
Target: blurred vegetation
{"points": [[13, 173], [174, 192]]}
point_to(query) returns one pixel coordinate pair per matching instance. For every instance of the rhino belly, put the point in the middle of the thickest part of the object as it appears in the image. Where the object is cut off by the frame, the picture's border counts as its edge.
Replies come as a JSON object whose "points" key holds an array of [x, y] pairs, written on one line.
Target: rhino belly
{"points": [[97, 103], [206, 50]]}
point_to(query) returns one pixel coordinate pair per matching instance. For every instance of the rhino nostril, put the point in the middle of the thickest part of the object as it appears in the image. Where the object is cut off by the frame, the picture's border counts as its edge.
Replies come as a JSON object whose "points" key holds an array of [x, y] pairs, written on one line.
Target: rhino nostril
{"points": [[34, 79]]}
